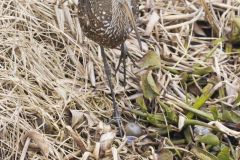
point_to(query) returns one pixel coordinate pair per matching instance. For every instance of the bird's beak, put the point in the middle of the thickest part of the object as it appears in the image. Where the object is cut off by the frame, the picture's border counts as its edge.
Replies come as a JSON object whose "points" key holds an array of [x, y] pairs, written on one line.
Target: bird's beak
{"points": [[132, 21]]}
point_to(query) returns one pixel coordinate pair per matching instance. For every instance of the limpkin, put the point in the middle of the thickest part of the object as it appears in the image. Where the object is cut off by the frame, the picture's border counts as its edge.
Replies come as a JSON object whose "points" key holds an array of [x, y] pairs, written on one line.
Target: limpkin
{"points": [[108, 23]]}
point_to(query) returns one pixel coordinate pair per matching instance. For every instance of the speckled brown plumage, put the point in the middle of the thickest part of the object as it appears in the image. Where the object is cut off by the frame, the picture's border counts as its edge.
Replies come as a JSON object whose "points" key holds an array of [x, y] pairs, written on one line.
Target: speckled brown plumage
{"points": [[108, 23], [105, 22]]}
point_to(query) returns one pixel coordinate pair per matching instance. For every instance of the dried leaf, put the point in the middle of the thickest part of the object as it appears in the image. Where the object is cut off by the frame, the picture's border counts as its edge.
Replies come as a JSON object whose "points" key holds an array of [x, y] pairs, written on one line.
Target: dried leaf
{"points": [[91, 73], [181, 122], [106, 140], [86, 156], [198, 30], [115, 153], [69, 20], [103, 128], [77, 118], [153, 19], [96, 151], [60, 17], [165, 155], [40, 141], [224, 129], [91, 119], [76, 138]]}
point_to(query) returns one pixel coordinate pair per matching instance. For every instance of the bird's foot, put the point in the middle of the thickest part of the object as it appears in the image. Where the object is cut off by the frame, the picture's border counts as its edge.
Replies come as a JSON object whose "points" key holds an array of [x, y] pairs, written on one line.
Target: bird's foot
{"points": [[117, 120]]}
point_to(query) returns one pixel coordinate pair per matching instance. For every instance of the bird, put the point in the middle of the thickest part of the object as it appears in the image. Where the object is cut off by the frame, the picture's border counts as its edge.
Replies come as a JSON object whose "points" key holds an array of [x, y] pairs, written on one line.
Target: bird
{"points": [[109, 23]]}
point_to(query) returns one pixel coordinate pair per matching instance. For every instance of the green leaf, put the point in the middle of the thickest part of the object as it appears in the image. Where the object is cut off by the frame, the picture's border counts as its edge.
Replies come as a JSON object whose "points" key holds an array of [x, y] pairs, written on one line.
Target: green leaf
{"points": [[150, 60], [148, 85], [201, 70], [188, 134], [230, 116], [155, 118], [202, 154], [238, 97], [214, 111], [237, 22], [224, 154], [209, 139], [141, 103], [170, 112], [152, 83], [208, 91]]}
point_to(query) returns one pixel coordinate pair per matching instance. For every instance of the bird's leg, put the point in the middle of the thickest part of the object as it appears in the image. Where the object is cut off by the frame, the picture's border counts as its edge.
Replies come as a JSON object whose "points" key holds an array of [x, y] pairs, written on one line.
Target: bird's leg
{"points": [[123, 56], [124, 52], [119, 62], [116, 114]]}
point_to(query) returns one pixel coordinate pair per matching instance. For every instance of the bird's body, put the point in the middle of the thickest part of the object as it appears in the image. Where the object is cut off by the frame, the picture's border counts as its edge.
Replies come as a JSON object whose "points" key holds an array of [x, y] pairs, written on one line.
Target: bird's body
{"points": [[108, 23], [105, 21]]}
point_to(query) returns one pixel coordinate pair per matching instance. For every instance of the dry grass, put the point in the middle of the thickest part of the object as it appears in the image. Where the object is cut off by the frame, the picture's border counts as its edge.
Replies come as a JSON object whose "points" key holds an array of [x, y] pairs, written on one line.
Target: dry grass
{"points": [[51, 77]]}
